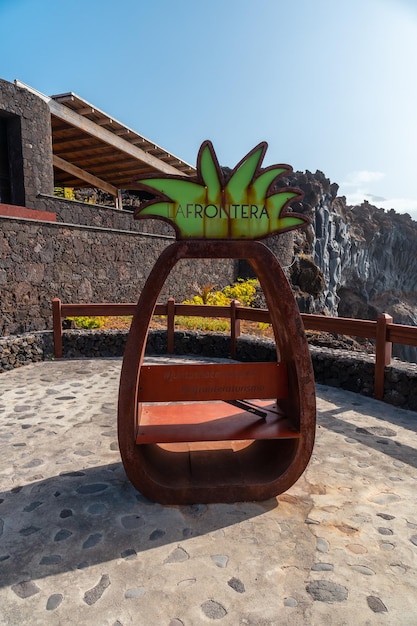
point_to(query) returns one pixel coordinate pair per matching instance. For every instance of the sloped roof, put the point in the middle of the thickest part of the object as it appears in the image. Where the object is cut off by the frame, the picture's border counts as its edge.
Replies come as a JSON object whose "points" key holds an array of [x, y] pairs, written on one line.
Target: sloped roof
{"points": [[92, 149]]}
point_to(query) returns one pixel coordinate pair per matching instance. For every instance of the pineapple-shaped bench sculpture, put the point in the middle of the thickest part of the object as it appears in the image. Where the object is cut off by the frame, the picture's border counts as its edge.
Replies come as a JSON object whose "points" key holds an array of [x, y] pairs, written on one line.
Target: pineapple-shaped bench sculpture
{"points": [[219, 432]]}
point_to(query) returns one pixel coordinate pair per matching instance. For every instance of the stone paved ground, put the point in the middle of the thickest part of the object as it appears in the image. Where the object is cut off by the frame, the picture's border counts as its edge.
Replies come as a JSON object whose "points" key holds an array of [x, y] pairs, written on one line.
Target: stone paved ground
{"points": [[78, 545]]}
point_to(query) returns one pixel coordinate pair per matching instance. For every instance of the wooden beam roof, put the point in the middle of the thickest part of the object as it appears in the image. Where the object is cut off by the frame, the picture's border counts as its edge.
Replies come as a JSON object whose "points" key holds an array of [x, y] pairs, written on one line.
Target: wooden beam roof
{"points": [[73, 170], [90, 148]]}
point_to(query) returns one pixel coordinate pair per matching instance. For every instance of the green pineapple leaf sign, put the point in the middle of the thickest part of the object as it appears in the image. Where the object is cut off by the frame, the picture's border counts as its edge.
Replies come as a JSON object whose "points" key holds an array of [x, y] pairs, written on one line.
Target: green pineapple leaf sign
{"points": [[243, 205]]}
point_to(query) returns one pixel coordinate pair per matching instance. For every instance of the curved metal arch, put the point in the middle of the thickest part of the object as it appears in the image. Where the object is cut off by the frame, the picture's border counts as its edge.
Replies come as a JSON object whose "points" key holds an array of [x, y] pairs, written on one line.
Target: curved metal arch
{"points": [[268, 467]]}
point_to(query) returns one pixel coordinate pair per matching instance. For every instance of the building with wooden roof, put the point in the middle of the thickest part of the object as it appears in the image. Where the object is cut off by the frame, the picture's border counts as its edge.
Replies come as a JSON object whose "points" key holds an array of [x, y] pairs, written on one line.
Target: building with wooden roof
{"points": [[81, 146]]}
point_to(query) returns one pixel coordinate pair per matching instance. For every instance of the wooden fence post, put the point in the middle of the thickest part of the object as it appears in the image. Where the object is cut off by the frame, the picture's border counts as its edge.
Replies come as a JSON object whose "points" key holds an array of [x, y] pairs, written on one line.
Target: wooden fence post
{"points": [[170, 325], [234, 327], [57, 327], [383, 353]]}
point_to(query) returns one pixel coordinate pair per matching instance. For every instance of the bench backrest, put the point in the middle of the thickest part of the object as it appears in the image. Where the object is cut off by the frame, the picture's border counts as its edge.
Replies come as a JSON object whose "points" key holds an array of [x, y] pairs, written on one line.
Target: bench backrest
{"points": [[212, 381]]}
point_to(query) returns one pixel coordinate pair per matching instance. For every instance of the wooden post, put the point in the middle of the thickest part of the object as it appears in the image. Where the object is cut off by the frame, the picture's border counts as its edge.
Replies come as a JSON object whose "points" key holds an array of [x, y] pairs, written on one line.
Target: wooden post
{"points": [[234, 327], [118, 201], [383, 353], [57, 327], [170, 325]]}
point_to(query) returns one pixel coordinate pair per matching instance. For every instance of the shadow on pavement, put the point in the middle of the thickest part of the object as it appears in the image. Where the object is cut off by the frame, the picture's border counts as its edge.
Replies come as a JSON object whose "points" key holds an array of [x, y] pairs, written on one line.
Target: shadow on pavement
{"points": [[373, 424], [81, 518]]}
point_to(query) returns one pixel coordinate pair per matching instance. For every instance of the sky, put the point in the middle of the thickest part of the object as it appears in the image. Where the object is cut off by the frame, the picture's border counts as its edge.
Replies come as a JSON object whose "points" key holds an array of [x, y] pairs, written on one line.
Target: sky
{"points": [[330, 85]]}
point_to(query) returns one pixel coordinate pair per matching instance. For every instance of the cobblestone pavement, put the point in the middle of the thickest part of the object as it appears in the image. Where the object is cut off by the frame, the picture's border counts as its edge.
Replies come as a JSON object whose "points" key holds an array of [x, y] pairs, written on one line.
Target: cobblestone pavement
{"points": [[78, 545]]}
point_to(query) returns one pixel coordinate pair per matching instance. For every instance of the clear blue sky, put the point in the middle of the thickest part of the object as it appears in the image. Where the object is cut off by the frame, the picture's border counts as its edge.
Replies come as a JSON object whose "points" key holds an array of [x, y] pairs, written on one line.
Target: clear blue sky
{"points": [[329, 84]]}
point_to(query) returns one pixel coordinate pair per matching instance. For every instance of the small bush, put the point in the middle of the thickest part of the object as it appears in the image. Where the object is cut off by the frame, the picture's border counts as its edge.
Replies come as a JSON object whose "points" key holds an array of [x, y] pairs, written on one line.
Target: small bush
{"points": [[242, 290], [264, 326], [203, 323], [89, 322]]}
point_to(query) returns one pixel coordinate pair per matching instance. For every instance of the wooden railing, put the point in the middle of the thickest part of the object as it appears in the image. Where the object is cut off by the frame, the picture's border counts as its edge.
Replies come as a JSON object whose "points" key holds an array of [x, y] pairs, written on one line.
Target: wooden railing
{"points": [[383, 331]]}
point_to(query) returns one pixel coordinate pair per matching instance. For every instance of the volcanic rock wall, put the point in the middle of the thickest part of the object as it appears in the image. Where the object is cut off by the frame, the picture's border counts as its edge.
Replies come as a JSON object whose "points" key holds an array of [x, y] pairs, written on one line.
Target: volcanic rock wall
{"points": [[94, 254], [40, 261], [361, 260], [28, 138]]}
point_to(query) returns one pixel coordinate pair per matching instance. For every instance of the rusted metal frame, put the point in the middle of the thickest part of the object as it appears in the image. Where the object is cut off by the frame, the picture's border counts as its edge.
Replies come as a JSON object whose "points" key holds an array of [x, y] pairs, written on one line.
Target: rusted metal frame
{"points": [[57, 327], [234, 327], [215, 381], [133, 358], [289, 462], [213, 422], [383, 354], [170, 325]]}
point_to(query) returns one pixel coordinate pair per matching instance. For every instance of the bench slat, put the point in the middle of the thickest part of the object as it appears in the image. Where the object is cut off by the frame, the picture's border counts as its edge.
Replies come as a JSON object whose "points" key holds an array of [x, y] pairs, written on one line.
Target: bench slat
{"points": [[212, 381], [215, 421]]}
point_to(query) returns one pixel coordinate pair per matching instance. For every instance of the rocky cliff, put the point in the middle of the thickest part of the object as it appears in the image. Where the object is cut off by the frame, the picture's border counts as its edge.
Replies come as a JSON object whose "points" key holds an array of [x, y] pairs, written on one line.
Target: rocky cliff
{"points": [[354, 261]]}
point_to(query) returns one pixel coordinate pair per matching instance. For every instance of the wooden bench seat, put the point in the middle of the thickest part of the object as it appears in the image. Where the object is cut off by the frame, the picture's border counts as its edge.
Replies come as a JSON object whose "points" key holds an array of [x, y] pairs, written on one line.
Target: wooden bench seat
{"points": [[212, 402]]}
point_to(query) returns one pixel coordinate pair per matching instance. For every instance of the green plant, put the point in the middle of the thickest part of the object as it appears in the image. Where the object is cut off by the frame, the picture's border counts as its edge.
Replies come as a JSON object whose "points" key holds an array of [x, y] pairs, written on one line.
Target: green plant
{"points": [[215, 298], [205, 293], [89, 322], [264, 326], [242, 290], [203, 323], [64, 192]]}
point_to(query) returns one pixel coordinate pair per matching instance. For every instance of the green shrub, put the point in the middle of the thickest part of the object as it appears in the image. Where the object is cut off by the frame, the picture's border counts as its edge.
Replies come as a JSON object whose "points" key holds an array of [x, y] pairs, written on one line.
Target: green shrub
{"points": [[89, 322], [203, 323], [64, 192], [242, 290]]}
